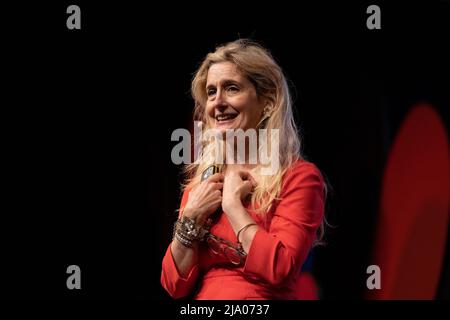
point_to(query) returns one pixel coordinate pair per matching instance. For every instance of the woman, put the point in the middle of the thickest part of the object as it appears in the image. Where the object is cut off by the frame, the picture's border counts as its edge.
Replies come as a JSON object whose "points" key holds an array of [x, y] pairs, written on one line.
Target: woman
{"points": [[254, 246]]}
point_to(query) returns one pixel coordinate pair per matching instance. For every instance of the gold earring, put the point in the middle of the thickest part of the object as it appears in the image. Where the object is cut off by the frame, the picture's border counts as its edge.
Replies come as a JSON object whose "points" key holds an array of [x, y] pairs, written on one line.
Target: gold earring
{"points": [[265, 116]]}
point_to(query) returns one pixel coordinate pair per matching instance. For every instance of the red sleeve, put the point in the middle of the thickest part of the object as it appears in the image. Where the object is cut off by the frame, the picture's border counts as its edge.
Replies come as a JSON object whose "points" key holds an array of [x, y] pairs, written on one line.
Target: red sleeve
{"points": [[171, 280], [276, 254]]}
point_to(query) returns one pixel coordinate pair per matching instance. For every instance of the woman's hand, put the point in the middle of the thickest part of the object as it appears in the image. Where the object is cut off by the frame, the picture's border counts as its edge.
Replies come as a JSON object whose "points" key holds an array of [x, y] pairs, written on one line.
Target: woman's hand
{"points": [[237, 187], [204, 199]]}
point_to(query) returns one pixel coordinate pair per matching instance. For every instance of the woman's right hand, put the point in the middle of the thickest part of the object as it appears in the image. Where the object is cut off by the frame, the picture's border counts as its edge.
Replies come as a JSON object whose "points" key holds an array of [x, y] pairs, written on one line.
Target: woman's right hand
{"points": [[204, 199]]}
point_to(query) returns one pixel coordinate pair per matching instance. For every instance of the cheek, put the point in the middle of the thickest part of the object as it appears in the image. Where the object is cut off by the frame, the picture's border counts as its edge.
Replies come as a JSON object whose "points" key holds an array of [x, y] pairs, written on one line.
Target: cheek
{"points": [[250, 118], [255, 112], [209, 111]]}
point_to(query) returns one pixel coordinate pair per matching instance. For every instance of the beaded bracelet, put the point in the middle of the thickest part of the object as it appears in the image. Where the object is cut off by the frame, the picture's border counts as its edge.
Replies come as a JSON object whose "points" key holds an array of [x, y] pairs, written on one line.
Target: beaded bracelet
{"points": [[186, 231]]}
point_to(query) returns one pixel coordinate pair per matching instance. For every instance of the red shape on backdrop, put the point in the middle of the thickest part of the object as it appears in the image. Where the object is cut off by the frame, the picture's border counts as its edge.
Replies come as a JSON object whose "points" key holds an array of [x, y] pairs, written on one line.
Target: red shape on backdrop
{"points": [[414, 213], [307, 288]]}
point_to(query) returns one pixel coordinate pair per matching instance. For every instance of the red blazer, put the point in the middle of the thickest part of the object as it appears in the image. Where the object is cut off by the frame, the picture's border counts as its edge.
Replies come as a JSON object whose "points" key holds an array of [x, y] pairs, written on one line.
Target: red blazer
{"points": [[276, 254]]}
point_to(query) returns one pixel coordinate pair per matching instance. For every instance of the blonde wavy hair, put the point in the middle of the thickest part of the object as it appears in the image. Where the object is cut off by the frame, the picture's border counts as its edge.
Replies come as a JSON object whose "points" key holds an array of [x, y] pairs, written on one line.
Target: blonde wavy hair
{"points": [[257, 64]]}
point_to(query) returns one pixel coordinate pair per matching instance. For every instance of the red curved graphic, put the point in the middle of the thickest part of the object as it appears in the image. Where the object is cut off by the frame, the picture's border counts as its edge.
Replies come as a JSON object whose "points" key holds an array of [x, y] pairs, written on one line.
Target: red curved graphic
{"points": [[414, 212]]}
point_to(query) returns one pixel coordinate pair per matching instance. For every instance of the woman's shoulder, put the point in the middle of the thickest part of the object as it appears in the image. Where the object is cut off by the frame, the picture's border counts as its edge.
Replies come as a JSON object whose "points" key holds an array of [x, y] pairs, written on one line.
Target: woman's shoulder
{"points": [[301, 172], [302, 166]]}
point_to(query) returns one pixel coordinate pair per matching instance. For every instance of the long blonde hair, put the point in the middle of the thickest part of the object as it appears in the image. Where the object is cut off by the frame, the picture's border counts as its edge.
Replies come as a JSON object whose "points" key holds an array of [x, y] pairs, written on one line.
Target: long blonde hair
{"points": [[257, 64]]}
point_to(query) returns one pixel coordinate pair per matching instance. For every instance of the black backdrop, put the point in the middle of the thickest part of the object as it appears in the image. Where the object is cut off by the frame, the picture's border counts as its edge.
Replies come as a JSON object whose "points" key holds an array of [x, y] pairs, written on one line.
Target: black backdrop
{"points": [[88, 115]]}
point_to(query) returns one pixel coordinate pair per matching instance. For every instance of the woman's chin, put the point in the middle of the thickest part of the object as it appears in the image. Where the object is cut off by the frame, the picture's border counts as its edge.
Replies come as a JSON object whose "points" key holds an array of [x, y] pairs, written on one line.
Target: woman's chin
{"points": [[223, 129]]}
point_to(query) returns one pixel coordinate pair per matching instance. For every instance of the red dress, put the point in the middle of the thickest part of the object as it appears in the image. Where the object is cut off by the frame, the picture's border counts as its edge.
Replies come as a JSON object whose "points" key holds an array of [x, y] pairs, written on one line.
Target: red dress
{"points": [[276, 254]]}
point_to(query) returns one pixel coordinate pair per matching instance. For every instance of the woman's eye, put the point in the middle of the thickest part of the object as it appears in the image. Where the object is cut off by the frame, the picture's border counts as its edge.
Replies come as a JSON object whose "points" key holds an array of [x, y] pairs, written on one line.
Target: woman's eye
{"points": [[210, 92], [232, 89]]}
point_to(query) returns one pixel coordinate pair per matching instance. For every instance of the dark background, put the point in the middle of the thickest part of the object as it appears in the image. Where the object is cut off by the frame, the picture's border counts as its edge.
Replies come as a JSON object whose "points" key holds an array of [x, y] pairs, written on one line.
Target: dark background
{"points": [[88, 115]]}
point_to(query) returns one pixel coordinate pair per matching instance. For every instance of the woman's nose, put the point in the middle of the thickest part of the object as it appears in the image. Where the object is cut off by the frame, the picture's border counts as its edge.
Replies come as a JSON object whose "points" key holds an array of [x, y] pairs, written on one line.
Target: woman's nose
{"points": [[219, 101]]}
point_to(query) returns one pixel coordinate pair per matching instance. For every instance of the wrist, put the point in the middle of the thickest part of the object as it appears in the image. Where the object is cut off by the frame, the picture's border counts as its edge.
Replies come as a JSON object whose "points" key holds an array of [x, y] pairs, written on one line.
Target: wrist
{"points": [[243, 229], [188, 212], [232, 205], [187, 231], [199, 217]]}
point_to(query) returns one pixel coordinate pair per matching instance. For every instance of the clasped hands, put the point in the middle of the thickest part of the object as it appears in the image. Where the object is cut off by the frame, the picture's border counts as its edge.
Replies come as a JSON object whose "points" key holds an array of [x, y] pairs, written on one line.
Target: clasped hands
{"points": [[228, 190]]}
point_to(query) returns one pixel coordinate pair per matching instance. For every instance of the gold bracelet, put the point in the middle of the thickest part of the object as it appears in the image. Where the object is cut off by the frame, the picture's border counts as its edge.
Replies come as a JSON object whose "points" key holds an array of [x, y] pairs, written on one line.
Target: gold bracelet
{"points": [[242, 229]]}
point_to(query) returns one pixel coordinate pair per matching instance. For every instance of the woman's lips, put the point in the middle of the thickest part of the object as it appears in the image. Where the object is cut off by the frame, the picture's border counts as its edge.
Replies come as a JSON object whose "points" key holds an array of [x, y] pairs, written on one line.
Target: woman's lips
{"points": [[225, 116], [224, 122]]}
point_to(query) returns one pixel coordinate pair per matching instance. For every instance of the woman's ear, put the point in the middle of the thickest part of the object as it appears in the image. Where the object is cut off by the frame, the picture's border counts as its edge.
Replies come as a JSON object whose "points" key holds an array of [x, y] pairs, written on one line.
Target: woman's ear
{"points": [[268, 108], [266, 113]]}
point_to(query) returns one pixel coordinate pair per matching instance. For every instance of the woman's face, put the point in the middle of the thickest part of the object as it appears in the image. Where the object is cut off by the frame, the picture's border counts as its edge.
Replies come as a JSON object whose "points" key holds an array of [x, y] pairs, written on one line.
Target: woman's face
{"points": [[232, 102]]}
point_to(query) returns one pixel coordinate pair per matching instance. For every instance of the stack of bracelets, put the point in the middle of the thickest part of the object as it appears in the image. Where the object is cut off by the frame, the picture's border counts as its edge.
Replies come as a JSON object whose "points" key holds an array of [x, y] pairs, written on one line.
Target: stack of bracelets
{"points": [[186, 231]]}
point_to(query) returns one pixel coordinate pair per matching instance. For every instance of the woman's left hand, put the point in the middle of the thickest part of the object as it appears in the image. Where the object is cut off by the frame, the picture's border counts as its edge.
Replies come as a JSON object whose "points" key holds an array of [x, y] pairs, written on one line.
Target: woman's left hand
{"points": [[237, 186]]}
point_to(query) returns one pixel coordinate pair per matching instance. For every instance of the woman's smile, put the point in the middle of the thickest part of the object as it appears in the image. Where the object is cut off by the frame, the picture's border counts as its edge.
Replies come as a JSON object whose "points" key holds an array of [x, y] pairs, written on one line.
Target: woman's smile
{"points": [[225, 119]]}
